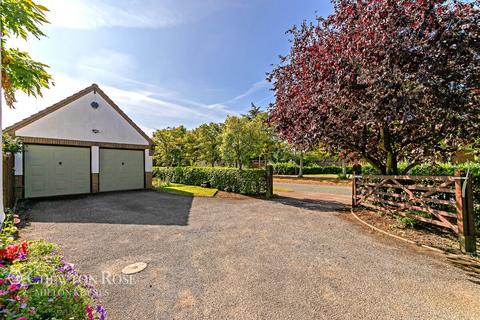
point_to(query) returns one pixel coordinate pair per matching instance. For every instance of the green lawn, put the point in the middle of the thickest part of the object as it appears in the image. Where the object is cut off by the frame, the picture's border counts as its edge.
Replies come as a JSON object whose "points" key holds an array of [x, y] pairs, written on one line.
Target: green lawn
{"points": [[184, 190]]}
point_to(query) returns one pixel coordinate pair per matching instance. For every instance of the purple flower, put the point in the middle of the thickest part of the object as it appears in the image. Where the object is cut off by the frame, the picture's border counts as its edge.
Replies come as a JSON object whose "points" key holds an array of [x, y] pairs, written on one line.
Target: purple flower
{"points": [[101, 311], [36, 279], [3, 292], [21, 256]]}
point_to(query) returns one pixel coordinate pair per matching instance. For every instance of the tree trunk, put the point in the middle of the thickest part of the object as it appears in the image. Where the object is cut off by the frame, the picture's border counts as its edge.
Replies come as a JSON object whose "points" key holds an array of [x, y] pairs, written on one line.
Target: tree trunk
{"points": [[391, 164], [300, 170]]}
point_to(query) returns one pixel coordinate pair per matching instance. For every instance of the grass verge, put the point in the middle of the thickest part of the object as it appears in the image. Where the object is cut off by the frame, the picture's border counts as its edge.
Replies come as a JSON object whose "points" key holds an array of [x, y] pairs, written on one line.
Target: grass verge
{"points": [[183, 189]]}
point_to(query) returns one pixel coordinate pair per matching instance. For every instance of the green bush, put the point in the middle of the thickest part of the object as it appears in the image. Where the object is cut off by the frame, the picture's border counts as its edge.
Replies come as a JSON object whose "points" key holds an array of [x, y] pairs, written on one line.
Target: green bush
{"points": [[9, 229], [289, 168], [246, 181]]}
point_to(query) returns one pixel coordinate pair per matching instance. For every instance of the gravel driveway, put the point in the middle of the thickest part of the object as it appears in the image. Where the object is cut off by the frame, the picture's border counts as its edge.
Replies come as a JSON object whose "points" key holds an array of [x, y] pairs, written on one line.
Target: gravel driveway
{"points": [[212, 258]]}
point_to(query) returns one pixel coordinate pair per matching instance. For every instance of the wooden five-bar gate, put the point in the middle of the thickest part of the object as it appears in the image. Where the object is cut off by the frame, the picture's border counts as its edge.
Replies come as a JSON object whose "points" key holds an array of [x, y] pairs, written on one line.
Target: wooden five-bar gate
{"points": [[444, 201]]}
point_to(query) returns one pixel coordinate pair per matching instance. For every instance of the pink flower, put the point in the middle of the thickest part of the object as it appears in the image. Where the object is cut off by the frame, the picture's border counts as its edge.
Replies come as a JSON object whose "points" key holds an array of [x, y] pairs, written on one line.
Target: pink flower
{"points": [[14, 286], [89, 311]]}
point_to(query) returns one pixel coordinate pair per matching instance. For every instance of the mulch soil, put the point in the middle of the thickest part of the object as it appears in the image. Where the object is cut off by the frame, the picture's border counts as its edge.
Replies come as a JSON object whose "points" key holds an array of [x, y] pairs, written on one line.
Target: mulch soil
{"points": [[423, 234]]}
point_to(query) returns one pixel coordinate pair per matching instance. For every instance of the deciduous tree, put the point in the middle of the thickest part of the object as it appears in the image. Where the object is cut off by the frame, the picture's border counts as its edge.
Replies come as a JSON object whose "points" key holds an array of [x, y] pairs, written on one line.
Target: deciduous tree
{"points": [[21, 18], [18, 71], [388, 80], [209, 142], [170, 146], [238, 140]]}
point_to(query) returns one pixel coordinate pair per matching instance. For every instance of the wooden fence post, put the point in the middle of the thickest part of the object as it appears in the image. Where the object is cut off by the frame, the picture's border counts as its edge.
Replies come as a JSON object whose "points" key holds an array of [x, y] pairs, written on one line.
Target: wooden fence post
{"points": [[8, 181], [354, 191], [465, 220], [269, 176]]}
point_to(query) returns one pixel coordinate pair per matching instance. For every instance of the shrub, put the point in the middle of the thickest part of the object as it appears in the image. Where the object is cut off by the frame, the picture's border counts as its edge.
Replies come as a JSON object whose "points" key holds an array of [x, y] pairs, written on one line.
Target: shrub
{"points": [[289, 168], [35, 283], [246, 181], [8, 229]]}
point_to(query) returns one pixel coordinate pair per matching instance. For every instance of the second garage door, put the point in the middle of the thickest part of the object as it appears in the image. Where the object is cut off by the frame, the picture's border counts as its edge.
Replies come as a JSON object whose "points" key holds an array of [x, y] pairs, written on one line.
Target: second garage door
{"points": [[121, 169]]}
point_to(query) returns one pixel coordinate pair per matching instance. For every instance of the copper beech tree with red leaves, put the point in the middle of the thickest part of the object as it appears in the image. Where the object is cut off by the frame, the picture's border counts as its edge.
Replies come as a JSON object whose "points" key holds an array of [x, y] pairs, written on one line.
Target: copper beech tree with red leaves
{"points": [[384, 80]]}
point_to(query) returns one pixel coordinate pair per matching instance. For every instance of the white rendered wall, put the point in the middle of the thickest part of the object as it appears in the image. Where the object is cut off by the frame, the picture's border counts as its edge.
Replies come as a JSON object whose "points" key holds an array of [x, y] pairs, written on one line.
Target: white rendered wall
{"points": [[148, 161], [95, 159], [18, 163], [78, 120]]}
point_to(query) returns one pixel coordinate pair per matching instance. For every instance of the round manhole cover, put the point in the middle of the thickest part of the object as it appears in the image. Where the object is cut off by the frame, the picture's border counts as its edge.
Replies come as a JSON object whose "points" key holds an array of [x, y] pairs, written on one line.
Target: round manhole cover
{"points": [[134, 268]]}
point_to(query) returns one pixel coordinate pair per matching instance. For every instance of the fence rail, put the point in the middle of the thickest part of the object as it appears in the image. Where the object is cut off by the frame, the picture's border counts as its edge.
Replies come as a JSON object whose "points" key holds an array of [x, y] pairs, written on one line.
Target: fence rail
{"points": [[444, 201]]}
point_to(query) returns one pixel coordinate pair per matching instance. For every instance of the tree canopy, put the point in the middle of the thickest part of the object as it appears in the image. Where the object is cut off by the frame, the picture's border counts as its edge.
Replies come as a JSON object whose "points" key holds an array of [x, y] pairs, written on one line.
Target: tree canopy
{"points": [[170, 146], [385, 80], [237, 141], [21, 18]]}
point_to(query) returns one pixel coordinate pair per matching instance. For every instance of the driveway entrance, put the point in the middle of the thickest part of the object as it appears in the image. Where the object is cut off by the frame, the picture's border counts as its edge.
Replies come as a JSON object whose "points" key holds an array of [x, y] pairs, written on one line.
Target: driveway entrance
{"points": [[215, 258]]}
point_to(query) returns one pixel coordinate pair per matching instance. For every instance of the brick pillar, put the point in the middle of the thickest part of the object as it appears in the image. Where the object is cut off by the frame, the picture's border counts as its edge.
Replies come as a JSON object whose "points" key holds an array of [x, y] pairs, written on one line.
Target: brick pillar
{"points": [[95, 169], [95, 186], [148, 169]]}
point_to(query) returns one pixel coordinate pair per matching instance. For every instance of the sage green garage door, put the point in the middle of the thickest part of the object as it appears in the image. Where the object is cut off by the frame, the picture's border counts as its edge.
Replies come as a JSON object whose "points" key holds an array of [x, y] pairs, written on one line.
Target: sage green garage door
{"points": [[121, 169], [56, 170]]}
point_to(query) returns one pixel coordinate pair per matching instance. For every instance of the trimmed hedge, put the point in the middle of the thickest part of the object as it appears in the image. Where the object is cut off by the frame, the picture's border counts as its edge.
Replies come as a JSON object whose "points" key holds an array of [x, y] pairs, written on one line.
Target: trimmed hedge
{"points": [[245, 181], [289, 168]]}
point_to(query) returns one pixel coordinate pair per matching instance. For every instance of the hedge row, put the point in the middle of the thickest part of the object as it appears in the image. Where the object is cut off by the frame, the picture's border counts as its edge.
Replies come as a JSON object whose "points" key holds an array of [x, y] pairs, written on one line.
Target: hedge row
{"points": [[288, 168], [246, 181]]}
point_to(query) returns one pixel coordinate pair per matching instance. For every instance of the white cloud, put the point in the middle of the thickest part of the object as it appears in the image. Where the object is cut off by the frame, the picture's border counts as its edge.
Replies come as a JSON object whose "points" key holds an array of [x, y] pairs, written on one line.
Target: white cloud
{"points": [[254, 88], [83, 14], [108, 60], [88, 14], [218, 106], [147, 111]]}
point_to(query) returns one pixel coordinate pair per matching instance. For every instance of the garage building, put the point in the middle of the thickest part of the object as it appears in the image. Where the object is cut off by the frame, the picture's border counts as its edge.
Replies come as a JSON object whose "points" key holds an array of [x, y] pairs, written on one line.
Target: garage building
{"points": [[83, 144]]}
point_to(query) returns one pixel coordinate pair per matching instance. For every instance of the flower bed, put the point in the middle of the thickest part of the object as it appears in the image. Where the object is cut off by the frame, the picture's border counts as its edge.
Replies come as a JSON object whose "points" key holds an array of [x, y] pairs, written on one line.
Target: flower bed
{"points": [[36, 283]]}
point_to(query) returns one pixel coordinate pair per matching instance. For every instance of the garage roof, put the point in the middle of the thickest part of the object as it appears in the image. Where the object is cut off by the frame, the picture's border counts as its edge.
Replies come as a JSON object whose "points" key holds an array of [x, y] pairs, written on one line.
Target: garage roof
{"points": [[95, 88]]}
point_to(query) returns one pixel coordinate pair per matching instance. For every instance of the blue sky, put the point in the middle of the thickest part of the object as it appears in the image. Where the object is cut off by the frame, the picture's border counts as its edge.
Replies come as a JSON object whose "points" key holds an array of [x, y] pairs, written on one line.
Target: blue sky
{"points": [[165, 62]]}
